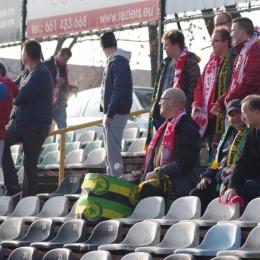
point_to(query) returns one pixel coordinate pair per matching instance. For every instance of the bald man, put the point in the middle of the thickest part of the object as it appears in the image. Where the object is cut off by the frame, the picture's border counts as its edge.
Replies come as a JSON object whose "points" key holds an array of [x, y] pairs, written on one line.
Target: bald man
{"points": [[173, 156], [223, 18]]}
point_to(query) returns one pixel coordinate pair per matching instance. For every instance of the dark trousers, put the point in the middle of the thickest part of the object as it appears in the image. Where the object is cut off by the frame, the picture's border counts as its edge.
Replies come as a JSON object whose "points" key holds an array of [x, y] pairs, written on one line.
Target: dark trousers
{"points": [[32, 138], [206, 195], [249, 191]]}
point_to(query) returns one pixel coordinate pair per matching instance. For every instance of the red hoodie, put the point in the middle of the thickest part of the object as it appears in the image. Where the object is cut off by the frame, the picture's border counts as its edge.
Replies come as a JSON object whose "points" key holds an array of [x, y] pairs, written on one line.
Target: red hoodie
{"points": [[7, 104]]}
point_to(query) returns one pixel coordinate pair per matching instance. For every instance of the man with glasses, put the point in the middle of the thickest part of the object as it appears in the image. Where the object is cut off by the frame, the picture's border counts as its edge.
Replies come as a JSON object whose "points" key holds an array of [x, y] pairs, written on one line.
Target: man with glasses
{"points": [[222, 18], [172, 162], [213, 83]]}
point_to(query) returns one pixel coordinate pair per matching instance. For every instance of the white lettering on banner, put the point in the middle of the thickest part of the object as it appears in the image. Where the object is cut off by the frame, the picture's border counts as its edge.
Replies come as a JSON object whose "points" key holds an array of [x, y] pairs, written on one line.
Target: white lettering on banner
{"points": [[73, 180], [70, 16]]}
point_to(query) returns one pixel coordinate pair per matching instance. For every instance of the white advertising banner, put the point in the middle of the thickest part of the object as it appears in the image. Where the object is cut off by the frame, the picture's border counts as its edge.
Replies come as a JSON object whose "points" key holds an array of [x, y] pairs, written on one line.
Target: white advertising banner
{"points": [[58, 17]]}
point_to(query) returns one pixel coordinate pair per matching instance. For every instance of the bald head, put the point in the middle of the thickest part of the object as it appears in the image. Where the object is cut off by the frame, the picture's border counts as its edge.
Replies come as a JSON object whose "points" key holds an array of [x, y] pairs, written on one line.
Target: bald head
{"points": [[176, 94]]}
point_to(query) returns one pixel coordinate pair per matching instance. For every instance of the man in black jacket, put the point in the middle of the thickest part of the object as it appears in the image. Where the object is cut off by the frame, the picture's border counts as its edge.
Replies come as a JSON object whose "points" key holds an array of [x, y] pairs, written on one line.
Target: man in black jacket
{"points": [[60, 74], [173, 155], [245, 178]]}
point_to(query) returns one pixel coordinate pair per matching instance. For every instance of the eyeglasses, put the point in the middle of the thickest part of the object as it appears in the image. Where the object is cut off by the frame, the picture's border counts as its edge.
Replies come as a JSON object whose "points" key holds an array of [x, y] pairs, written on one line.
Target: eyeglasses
{"points": [[215, 41], [161, 99], [221, 24]]}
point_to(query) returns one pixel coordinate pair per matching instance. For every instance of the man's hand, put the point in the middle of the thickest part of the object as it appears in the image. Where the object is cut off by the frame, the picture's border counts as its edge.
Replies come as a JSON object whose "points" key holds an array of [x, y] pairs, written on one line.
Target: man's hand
{"points": [[194, 110], [136, 175], [151, 175], [215, 109], [60, 81], [108, 120], [228, 195], [203, 184]]}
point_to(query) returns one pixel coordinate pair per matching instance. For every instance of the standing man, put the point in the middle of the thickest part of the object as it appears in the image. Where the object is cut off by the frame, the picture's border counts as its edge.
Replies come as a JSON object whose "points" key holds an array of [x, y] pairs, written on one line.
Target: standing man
{"points": [[60, 73], [30, 121], [245, 178], [245, 80], [116, 99], [223, 18]]}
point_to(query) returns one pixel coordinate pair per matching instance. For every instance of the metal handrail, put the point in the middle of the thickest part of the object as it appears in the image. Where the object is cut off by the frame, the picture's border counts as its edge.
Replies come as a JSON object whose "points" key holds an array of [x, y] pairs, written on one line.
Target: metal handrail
{"points": [[63, 132]]}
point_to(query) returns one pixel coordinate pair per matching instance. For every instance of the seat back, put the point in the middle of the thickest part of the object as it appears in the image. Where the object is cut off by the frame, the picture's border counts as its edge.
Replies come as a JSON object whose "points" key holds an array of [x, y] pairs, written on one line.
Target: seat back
{"points": [[74, 156], [137, 145], [87, 136], [12, 229], [69, 137], [40, 230], [72, 211], [252, 241], [72, 147], [185, 208], [16, 158], [97, 255], [55, 207], [219, 211], [51, 158], [1, 177], [59, 254], [180, 257], [131, 133], [72, 231], [71, 184], [106, 232], [149, 208], [226, 257], [145, 233], [225, 236], [97, 156], [6, 205], [92, 146], [20, 175], [252, 211], [16, 148], [182, 235], [28, 206], [137, 256], [1, 253], [49, 148], [25, 253], [49, 140]]}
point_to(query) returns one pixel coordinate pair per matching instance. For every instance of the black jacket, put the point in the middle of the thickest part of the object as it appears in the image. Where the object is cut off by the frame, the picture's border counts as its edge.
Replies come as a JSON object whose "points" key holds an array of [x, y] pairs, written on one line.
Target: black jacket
{"points": [[247, 167], [184, 168]]}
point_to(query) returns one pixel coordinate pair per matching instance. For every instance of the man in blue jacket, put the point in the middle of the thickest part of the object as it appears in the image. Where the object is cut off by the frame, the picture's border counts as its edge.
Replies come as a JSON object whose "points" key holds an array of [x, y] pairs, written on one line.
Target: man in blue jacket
{"points": [[116, 99], [30, 122]]}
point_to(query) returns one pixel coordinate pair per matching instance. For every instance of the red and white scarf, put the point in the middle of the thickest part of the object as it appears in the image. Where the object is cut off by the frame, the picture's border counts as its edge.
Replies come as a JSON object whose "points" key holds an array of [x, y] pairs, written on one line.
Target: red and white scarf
{"points": [[167, 142], [56, 91], [179, 68], [209, 82], [238, 73]]}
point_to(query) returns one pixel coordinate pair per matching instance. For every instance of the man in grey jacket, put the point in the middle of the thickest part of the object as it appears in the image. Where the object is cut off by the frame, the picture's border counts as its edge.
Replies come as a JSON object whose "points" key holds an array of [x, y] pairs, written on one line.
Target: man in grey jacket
{"points": [[116, 99]]}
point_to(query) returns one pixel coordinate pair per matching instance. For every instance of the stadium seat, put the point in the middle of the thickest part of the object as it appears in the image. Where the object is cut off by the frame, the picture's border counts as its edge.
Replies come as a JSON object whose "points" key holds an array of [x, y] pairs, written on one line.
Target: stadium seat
{"points": [[27, 253], [91, 146], [6, 205], [97, 255], [147, 208], [51, 158], [145, 233], [48, 148], [72, 146], [28, 206], [124, 145], [53, 207], [131, 134], [12, 229], [48, 140], [69, 137], [72, 231], [20, 175], [71, 184], [1, 253], [59, 254], [106, 232], [251, 248], [136, 146], [180, 235], [16, 149], [40, 230], [219, 237], [216, 212], [226, 258], [137, 256], [19, 166], [87, 137], [180, 257], [183, 208], [251, 215], [16, 158], [70, 216], [96, 159]]}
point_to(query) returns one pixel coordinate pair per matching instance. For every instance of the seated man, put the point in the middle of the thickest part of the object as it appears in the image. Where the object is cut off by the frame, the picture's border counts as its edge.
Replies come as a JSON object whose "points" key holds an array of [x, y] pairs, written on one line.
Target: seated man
{"points": [[228, 149], [172, 162], [245, 178]]}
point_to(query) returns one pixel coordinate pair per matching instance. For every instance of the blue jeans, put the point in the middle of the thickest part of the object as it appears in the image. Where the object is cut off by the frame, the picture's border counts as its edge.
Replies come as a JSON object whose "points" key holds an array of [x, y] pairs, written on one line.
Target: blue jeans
{"points": [[60, 115]]}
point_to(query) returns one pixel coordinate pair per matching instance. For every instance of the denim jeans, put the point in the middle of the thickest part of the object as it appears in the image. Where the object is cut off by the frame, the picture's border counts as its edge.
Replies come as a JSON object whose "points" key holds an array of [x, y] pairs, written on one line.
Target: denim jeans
{"points": [[60, 115]]}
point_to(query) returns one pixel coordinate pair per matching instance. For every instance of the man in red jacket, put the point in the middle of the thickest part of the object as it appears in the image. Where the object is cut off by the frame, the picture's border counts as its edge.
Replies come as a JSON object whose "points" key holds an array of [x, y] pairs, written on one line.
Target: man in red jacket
{"points": [[245, 79], [6, 106]]}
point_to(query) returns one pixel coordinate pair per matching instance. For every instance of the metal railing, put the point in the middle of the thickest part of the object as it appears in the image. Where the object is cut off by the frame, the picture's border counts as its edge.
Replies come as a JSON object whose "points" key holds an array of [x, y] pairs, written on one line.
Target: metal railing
{"points": [[62, 132]]}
